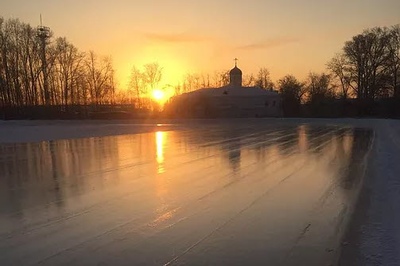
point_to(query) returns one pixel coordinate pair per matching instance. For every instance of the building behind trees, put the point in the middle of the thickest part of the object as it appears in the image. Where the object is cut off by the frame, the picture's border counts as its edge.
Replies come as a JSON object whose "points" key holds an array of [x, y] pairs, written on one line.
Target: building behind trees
{"points": [[232, 100]]}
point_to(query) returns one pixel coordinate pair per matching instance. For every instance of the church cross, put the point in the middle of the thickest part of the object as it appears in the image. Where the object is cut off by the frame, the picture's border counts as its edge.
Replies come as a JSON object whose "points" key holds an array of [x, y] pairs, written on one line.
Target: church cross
{"points": [[236, 61]]}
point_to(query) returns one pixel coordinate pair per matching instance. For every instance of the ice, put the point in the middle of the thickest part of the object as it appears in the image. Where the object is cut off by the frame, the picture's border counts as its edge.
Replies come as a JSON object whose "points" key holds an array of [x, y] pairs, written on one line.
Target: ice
{"points": [[219, 192]]}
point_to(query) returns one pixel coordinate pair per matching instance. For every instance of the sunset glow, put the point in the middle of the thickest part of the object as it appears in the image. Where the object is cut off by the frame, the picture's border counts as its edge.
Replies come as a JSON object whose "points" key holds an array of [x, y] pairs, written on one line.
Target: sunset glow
{"points": [[159, 95], [204, 36]]}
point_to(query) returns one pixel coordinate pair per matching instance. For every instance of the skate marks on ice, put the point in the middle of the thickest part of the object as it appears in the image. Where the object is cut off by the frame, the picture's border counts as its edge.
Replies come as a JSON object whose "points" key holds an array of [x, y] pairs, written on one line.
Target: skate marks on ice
{"points": [[229, 194]]}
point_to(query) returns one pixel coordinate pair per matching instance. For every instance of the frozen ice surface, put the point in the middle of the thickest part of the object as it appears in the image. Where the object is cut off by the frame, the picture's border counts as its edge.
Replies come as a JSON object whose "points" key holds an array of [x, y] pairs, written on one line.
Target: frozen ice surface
{"points": [[229, 192]]}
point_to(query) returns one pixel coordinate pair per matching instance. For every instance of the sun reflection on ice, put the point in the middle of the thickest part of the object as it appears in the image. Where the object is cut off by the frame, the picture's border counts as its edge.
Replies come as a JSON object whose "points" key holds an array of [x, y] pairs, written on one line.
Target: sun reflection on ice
{"points": [[303, 141], [160, 142]]}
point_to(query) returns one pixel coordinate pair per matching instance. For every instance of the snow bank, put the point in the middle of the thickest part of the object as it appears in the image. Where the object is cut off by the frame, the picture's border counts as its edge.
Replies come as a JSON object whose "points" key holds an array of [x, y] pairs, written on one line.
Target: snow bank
{"points": [[379, 233]]}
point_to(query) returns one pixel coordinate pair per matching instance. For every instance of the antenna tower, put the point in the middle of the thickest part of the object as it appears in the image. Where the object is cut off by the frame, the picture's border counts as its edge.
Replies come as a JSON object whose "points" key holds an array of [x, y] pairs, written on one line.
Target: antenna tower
{"points": [[43, 34]]}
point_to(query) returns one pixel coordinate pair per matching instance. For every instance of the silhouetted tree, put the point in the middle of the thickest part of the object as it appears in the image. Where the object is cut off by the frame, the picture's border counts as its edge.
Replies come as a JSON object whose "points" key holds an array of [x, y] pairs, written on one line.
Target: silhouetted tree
{"points": [[205, 81], [190, 83], [394, 58], [292, 92], [319, 88], [69, 68], [221, 78], [249, 80], [369, 63], [263, 79], [99, 78], [320, 94], [44, 71], [143, 82], [340, 70], [152, 75], [136, 86]]}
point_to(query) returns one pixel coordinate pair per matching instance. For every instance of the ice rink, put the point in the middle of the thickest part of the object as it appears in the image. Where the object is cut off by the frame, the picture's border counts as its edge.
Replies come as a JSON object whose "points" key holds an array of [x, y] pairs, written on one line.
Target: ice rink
{"points": [[231, 193]]}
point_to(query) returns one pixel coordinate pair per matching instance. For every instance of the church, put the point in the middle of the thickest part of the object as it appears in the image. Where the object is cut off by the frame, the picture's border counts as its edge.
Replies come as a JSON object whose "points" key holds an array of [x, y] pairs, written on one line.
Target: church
{"points": [[232, 100]]}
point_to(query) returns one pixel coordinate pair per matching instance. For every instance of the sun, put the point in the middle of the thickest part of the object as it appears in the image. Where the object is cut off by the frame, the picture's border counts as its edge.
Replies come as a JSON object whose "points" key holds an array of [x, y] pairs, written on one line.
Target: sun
{"points": [[158, 95]]}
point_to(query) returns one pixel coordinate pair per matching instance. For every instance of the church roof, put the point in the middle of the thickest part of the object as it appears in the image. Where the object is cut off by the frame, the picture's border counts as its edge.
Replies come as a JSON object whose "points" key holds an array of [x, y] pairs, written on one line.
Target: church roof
{"points": [[232, 91]]}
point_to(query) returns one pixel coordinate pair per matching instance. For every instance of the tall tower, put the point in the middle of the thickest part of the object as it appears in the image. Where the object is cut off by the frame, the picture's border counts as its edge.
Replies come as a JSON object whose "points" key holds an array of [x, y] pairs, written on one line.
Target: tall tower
{"points": [[235, 76], [43, 34]]}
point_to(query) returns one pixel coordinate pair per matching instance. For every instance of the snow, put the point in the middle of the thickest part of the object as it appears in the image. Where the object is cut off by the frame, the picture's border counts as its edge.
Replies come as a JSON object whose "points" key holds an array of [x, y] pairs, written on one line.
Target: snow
{"points": [[379, 231]]}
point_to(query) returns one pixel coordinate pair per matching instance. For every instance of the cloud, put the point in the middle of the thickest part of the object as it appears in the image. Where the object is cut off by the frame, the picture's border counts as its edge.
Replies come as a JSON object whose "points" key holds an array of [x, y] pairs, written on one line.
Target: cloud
{"points": [[267, 44], [175, 37]]}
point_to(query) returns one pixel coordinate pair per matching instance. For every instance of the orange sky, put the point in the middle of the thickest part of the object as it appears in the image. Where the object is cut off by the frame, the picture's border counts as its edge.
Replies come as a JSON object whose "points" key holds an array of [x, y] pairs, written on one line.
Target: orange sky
{"points": [[286, 36]]}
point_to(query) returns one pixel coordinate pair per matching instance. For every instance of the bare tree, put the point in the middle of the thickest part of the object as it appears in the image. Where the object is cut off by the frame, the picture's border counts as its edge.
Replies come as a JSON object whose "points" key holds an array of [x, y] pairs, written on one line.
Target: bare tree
{"points": [[394, 58], [249, 81], [191, 82], [152, 75], [319, 87], [69, 63], [137, 86], [205, 80], [367, 55], [224, 78], [292, 92], [263, 79], [143, 82], [177, 89], [338, 66], [35, 70], [291, 87], [99, 78], [123, 97]]}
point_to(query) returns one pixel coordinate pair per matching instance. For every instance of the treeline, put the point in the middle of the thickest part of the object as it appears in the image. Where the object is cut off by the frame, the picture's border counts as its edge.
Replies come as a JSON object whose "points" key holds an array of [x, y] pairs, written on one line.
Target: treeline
{"points": [[44, 71], [36, 71], [363, 79]]}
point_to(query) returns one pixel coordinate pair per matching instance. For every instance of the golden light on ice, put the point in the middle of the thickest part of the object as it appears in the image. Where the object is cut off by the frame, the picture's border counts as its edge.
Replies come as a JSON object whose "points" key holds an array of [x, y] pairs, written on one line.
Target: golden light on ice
{"points": [[160, 139]]}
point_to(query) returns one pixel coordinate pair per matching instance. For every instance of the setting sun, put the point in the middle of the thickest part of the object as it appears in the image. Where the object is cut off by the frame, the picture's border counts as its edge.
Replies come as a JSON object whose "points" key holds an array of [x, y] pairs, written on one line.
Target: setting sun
{"points": [[158, 95]]}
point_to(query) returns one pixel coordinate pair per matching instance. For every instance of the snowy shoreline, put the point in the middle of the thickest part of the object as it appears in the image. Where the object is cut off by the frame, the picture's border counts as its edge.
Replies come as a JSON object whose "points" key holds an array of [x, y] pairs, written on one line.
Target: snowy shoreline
{"points": [[373, 235]]}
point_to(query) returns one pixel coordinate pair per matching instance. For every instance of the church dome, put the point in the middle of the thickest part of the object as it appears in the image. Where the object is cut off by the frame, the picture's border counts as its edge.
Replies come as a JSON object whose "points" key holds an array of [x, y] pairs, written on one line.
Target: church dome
{"points": [[235, 76], [235, 71]]}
